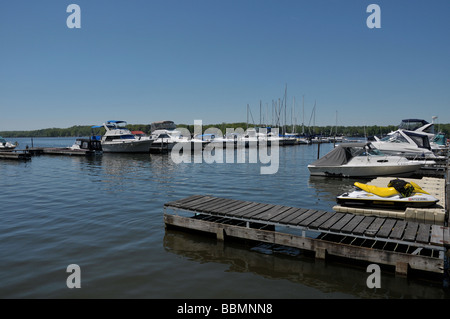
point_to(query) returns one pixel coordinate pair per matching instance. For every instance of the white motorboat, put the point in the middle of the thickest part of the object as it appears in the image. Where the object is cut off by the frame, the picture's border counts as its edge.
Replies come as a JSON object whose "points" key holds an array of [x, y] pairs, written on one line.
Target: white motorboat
{"points": [[362, 160], [437, 140], [6, 146], [164, 139], [405, 143], [87, 144], [118, 139]]}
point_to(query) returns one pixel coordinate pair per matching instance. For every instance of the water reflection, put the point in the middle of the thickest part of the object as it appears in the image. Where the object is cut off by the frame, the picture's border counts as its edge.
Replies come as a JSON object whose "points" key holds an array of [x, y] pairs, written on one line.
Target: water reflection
{"points": [[281, 264]]}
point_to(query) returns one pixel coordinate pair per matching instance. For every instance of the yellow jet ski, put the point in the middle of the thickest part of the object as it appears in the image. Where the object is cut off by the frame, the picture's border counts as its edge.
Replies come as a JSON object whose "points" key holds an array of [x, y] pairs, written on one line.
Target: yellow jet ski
{"points": [[398, 194], [390, 190]]}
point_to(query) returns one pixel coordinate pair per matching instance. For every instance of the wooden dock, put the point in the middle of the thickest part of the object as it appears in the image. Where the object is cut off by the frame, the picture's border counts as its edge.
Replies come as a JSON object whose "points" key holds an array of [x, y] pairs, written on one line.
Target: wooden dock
{"points": [[382, 240], [15, 155], [60, 151]]}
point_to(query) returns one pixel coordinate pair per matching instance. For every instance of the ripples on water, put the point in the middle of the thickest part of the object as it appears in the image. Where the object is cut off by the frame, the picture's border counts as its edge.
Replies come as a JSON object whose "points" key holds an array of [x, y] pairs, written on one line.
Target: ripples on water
{"points": [[104, 213]]}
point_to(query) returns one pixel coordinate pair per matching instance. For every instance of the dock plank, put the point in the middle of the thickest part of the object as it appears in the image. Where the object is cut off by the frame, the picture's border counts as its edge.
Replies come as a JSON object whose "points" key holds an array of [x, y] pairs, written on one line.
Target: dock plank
{"points": [[243, 210], [301, 216], [336, 227], [331, 221], [398, 229], [230, 210], [204, 207], [184, 200], [374, 227], [261, 209], [386, 228], [363, 225], [423, 233], [411, 231], [288, 215], [220, 209], [437, 235], [310, 219], [196, 203], [269, 214], [321, 220], [352, 224]]}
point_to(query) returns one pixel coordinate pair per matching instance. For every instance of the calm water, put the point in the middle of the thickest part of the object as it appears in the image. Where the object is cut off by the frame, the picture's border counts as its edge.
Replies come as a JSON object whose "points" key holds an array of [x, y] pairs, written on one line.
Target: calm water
{"points": [[105, 214]]}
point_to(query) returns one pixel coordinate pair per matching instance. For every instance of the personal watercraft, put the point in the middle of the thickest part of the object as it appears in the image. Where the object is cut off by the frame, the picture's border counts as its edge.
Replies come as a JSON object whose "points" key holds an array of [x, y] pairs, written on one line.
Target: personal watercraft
{"points": [[408, 195]]}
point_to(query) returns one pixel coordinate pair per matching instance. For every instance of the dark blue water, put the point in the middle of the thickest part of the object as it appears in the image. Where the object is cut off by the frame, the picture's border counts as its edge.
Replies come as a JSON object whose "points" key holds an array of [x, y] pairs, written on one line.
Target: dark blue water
{"points": [[105, 214]]}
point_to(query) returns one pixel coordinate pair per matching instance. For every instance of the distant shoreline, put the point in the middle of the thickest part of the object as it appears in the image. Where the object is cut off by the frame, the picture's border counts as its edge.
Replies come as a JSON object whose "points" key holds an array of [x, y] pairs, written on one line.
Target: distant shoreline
{"points": [[350, 131]]}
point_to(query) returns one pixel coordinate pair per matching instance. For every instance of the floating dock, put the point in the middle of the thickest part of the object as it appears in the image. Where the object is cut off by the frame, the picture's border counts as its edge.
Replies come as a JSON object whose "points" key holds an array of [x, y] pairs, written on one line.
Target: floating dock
{"points": [[15, 155], [390, 241], [434, 215], [60, 151]]}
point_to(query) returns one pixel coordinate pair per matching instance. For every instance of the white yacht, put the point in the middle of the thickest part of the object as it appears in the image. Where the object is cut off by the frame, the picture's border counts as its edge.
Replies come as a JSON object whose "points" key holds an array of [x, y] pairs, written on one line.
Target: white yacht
{"points": [[405, 143], [362, 160], [164, 139], [119, 139], [6, 146], [437, 140]]}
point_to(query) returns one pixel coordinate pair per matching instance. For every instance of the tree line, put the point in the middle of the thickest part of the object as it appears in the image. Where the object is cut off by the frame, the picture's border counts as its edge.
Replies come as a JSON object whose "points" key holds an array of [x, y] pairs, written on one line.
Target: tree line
{"points": [[351, 131]]}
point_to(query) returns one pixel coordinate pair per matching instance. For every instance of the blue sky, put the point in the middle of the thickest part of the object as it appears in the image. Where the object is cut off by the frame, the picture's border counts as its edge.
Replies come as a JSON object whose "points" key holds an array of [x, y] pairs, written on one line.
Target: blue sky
{"points": [[182, 60]]}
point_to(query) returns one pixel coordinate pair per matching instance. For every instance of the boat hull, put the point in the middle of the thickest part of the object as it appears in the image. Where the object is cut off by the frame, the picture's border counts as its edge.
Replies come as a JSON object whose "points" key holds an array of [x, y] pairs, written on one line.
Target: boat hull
{"points": [[364, 171], [364, 199], [127, 146]]}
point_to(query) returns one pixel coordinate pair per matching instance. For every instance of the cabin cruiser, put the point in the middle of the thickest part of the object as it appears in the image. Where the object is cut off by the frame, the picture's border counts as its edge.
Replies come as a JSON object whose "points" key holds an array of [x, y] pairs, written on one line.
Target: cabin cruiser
{"points": [[87, 144], [362, 160], [6, 146], [164, 139], [437, 140], [118, 139], [405, 143]]}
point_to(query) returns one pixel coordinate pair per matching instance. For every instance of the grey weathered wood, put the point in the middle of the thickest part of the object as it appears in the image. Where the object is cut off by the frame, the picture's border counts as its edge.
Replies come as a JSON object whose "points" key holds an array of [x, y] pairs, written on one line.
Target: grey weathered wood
{"points": [[386, 228], [341, 222], [230, 210], [321, 220], [257, 211], [185, 200], [269, 214], [331, 221], [352, 224], [397, 231], [374, 227], [363, 225], [212, 203], [423, 233], [243, 210], [437, 235], [305, 222], [410, 231], [289, 215], [413, 261]]}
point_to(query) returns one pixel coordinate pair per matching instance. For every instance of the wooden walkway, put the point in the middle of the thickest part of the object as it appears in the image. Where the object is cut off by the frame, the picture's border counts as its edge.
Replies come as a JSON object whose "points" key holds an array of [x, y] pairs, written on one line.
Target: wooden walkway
{"points": [[15, 155], [341, 228]]}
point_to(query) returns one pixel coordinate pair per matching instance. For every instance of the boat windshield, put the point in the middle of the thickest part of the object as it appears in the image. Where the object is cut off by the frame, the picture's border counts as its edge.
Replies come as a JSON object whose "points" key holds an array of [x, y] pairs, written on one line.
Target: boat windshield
{"points": [[364, 151], [395, 138]]}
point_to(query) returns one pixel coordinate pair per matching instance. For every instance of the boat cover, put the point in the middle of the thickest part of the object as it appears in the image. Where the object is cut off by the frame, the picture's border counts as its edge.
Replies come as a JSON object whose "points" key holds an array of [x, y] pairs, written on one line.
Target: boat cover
{"points": [[340, 155]]}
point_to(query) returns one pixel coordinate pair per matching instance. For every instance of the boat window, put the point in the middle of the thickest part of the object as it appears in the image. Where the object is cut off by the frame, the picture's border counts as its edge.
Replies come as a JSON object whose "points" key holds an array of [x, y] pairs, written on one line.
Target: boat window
{"points": [[127, 137], [421, 141], [395, 138], [364, 151]]}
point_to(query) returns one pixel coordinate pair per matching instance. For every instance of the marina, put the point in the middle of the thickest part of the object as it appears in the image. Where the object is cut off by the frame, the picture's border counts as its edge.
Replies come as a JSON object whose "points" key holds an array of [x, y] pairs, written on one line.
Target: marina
{"points": [[141, 238]]}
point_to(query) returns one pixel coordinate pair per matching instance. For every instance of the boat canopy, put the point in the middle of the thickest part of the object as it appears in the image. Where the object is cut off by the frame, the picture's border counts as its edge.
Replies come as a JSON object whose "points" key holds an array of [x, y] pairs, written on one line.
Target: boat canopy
{"points": [[343, 153], [162, 125]]}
